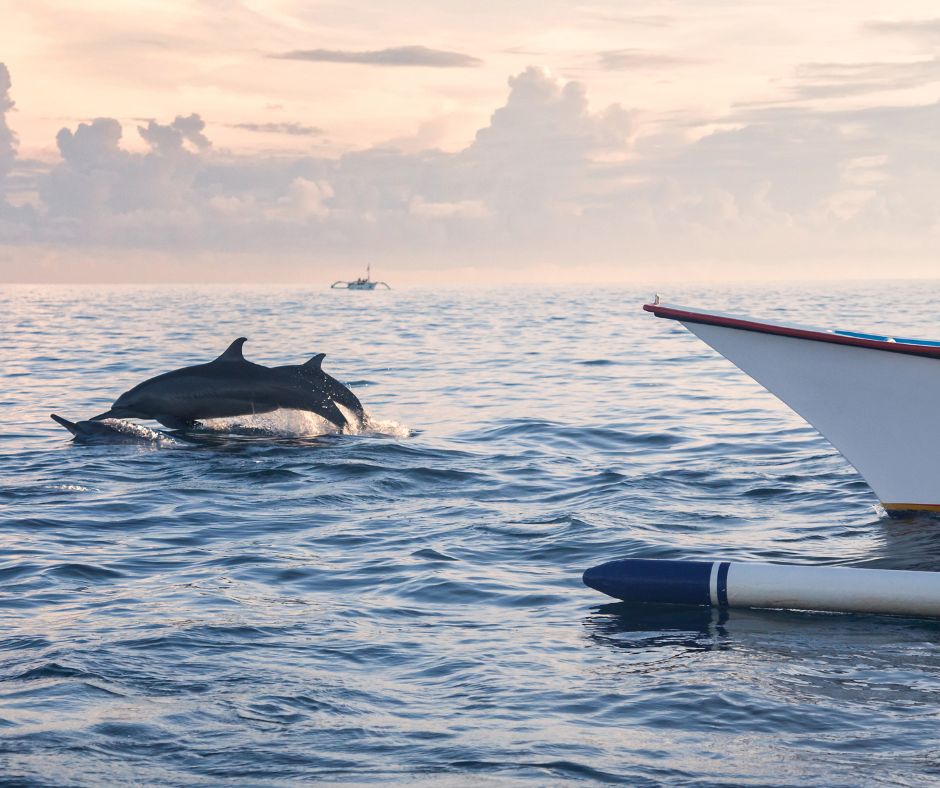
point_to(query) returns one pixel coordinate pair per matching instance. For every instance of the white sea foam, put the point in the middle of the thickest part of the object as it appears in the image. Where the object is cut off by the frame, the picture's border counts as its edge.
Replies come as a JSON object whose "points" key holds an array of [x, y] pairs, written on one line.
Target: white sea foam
{"points": [[381, 427], [139, 432], [286, 423], [282, 423]]}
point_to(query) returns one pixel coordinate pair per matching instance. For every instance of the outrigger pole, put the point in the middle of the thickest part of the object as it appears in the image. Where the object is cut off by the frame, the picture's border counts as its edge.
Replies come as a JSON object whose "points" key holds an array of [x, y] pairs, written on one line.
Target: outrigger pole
{"points": [[733, 584]]}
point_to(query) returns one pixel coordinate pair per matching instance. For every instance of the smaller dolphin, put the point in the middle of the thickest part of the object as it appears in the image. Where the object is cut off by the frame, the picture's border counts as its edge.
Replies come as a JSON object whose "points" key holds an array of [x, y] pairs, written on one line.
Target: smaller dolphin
{"points": [[311, 374], [103, 432]]}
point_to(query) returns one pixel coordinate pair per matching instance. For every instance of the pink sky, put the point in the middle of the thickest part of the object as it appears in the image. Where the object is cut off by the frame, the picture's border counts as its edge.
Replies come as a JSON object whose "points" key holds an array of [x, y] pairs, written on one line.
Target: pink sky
{"points": [[468, 141]]}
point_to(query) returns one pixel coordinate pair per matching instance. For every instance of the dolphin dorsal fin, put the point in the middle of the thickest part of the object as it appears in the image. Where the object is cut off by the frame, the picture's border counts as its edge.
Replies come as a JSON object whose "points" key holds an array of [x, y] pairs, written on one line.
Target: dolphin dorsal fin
{"points": [[315, 362], [234, 351]]}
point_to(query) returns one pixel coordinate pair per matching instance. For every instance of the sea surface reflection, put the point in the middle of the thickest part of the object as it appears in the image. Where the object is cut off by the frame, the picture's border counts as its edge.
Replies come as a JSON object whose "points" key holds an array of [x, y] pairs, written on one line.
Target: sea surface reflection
{"points": [[268, 603]]}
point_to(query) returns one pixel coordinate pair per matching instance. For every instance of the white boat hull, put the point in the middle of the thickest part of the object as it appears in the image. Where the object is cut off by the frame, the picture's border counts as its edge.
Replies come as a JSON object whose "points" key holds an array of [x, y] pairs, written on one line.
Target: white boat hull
{"points": [[880, 408]]}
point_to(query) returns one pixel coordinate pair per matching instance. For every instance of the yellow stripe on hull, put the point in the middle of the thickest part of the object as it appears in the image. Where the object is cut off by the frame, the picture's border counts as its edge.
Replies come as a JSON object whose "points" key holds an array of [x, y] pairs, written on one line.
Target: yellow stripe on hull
{"points": [[911, 507]]}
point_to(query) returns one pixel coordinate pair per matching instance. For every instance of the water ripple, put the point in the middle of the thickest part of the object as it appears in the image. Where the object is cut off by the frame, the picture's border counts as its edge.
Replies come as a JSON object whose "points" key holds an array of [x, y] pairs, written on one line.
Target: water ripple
{"points": [[271, 602]]}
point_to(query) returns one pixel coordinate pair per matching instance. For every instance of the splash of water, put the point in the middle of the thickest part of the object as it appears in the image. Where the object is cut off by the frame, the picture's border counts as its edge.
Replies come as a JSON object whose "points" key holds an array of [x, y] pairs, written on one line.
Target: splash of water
{"points": [[139, 431], [287, 423], [281, 423], [384, 428]]}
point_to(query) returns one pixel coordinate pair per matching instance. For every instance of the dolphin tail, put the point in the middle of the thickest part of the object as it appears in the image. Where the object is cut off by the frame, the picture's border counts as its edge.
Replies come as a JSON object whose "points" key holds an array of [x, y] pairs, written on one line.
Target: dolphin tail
{"points": [[69, 425], [341, 394], [331, 413], [334, 389], [317, 402]]}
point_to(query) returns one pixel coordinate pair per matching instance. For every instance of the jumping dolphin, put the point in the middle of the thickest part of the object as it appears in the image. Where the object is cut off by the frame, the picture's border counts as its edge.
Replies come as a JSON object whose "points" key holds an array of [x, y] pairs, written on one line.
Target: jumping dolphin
{"points": [[101, 432], [311, 374], [228, 386]]}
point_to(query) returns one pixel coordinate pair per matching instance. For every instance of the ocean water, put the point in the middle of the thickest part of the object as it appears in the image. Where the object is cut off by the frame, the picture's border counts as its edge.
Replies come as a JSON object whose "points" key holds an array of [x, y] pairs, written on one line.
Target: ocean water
{"points": [[277, 604]]}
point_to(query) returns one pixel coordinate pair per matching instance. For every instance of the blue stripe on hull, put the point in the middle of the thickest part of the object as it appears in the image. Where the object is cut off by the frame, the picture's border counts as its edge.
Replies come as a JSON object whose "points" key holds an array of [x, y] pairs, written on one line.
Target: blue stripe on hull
{"points": [[861, 335]]}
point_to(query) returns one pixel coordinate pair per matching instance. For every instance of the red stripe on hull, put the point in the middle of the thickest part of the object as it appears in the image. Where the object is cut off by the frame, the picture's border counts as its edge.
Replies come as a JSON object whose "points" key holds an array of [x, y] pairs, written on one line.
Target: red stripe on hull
{"points": [[785, 331]]}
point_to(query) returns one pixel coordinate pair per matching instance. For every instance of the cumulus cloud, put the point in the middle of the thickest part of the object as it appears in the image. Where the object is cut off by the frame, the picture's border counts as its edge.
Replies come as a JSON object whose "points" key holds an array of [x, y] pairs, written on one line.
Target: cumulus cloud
{"points": [[92, 145], [293, 129], [99, 190], [536, 155], [12, 220], [545, 112], [305, 199], [169, 138], [16, 218], [7, 137], [393, 56], [549, 178], [531, 164]]}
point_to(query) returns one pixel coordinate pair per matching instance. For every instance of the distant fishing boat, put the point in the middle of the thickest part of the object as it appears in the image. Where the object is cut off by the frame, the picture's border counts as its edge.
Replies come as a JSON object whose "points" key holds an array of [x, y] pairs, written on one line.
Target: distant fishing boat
{"points": [[362, 283], [875, 398]]}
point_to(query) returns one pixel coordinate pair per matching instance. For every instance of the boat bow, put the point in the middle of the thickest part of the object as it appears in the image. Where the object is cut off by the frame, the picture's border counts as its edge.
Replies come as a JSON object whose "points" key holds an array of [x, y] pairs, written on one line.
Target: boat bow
{"points": [[874, 397]]}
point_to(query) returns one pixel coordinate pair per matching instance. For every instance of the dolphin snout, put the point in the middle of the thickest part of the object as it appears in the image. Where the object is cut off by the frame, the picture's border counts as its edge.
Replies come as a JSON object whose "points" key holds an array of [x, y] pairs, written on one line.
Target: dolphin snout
{"points": [[114, 413]]}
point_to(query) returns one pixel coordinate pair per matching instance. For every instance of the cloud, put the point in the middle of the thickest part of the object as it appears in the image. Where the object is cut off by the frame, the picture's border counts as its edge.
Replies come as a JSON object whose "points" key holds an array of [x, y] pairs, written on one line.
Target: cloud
{"points": [[832, 80], [535, 156], [294, 129], [467, 209], [16, 220], [92, 145], [542, 112], [100, 189], [170, 138], [548, 178], [306, 199], [7, 137], [394, 56], [635, 60], [917, 28], [530, 165], [627, 19]]}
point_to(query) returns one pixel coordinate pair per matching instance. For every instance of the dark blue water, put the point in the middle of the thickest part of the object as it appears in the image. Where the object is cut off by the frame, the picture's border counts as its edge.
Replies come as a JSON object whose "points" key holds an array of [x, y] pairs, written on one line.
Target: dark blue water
{"points": [[275, 605]]}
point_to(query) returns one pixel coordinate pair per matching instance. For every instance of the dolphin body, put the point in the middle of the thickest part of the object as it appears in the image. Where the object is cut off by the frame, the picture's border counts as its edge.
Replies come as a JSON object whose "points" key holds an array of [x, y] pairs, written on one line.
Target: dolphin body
{"points": [[101, 432], [228, 386], [311, 374]]}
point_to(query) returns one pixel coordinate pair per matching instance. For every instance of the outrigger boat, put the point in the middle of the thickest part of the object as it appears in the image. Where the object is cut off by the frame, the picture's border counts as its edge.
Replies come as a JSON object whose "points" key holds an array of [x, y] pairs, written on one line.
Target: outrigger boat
{"points": [[362, 283], [873, 397]]}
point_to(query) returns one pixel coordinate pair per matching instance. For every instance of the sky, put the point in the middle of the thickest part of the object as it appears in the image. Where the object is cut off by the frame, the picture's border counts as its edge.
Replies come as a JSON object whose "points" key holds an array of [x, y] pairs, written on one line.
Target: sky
{"points": [[468, 141]]}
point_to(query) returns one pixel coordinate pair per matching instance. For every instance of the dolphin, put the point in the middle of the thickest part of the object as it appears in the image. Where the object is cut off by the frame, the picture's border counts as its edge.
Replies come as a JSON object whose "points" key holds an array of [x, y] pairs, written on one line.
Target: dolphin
{"points": [[311, 374], [101, 432], [228, 386]]}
